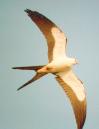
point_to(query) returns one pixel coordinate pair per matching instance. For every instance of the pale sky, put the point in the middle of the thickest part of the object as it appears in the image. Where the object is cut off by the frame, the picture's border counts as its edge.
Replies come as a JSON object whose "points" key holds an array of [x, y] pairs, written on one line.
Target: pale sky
{"points": [[43, 104]]}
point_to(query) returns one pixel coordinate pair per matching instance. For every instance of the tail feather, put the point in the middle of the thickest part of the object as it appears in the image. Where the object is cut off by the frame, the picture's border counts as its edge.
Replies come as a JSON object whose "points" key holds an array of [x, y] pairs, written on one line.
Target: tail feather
{"points": [[29, 67], [36, 77]]}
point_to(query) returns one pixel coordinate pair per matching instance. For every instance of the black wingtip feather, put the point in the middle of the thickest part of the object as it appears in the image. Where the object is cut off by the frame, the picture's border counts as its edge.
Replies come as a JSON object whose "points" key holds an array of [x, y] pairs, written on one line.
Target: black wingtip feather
{"points": [[34, 13], [28, 10]]}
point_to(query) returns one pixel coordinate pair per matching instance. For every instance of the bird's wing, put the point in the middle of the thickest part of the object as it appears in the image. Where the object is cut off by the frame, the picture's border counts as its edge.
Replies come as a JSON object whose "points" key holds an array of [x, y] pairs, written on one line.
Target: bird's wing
{"points": [[56, 39], [76, 93]]}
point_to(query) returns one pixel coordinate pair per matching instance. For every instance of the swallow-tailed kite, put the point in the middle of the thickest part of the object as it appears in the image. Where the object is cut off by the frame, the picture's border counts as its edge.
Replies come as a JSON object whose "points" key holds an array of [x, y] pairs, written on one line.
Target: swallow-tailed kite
{"points": [[59, 65]]}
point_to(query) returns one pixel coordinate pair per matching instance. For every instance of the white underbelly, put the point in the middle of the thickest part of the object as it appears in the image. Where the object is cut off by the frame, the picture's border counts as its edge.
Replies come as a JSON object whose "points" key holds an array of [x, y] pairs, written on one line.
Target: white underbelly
{"points": [[58, 66]]}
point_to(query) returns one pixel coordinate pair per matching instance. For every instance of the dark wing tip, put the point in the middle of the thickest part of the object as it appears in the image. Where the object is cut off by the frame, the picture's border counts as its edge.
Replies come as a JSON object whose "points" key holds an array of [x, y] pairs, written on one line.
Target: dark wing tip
{"points": [[35, 15], [30, 12]]}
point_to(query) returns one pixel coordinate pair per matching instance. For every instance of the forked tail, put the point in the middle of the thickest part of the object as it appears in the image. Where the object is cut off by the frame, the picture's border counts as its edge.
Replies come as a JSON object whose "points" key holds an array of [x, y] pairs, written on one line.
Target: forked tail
{"points": [[36, 77]]}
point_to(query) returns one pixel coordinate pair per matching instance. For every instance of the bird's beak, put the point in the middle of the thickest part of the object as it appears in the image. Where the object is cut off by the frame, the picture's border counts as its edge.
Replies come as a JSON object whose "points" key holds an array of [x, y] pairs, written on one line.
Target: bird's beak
{"points": [[76, 61]]}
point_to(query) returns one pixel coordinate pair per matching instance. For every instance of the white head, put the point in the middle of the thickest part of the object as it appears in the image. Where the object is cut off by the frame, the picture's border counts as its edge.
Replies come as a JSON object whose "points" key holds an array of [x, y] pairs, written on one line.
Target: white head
{"points": [[72, 61]]}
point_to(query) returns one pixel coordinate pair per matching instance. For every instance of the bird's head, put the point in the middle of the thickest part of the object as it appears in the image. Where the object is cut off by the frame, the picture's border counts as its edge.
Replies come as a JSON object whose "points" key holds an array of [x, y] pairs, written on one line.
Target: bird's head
{"points": [[76, 61], [72, 61]]}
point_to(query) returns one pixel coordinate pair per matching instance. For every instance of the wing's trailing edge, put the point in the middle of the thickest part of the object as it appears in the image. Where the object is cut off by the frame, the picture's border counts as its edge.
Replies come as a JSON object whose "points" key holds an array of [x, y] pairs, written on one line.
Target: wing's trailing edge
{"points": [[56, 39], [79, 107]]}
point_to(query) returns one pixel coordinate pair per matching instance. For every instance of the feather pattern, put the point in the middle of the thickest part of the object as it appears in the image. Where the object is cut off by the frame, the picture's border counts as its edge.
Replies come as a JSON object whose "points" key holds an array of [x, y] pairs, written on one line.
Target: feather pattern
{"points": [[78, 104], [59, 65], [56, 39]]}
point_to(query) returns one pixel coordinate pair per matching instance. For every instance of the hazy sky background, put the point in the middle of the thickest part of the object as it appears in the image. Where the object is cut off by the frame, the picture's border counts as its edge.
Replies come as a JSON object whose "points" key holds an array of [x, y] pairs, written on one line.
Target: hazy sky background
{"points": [[43, 104]]}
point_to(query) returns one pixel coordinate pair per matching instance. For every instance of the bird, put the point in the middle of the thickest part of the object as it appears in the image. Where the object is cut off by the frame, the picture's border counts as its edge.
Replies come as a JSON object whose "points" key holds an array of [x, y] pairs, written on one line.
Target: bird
{"points": [[60, 65]]}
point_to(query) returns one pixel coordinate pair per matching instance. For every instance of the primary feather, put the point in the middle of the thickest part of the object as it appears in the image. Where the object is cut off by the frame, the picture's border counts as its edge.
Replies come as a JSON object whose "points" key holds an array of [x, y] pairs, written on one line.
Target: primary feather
{"points": [[56, 39]]}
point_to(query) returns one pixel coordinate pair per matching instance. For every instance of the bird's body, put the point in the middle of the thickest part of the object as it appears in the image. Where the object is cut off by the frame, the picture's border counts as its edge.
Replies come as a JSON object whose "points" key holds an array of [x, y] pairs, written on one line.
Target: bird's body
{"points": [[60, 65]]}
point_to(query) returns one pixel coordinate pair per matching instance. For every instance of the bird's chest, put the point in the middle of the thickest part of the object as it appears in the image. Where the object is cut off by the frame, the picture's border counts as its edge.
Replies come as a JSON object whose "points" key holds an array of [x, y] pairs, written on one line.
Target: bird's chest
{"points": [[58, 66]]}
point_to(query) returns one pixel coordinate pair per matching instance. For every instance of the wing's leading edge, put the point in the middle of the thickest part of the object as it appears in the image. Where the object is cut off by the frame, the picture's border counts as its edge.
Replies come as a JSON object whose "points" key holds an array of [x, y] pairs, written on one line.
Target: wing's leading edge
{"points": [[56, 39]]}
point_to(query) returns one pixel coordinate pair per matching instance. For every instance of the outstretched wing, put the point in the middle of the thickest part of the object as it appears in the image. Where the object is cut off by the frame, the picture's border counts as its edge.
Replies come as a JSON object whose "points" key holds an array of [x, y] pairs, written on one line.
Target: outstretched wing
{"points": [[56, 39], [76, 93]]}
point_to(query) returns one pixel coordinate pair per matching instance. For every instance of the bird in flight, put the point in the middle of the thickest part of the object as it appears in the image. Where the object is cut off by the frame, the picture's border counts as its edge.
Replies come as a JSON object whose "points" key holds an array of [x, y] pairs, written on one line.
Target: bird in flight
{"points": [[59, 65]]}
